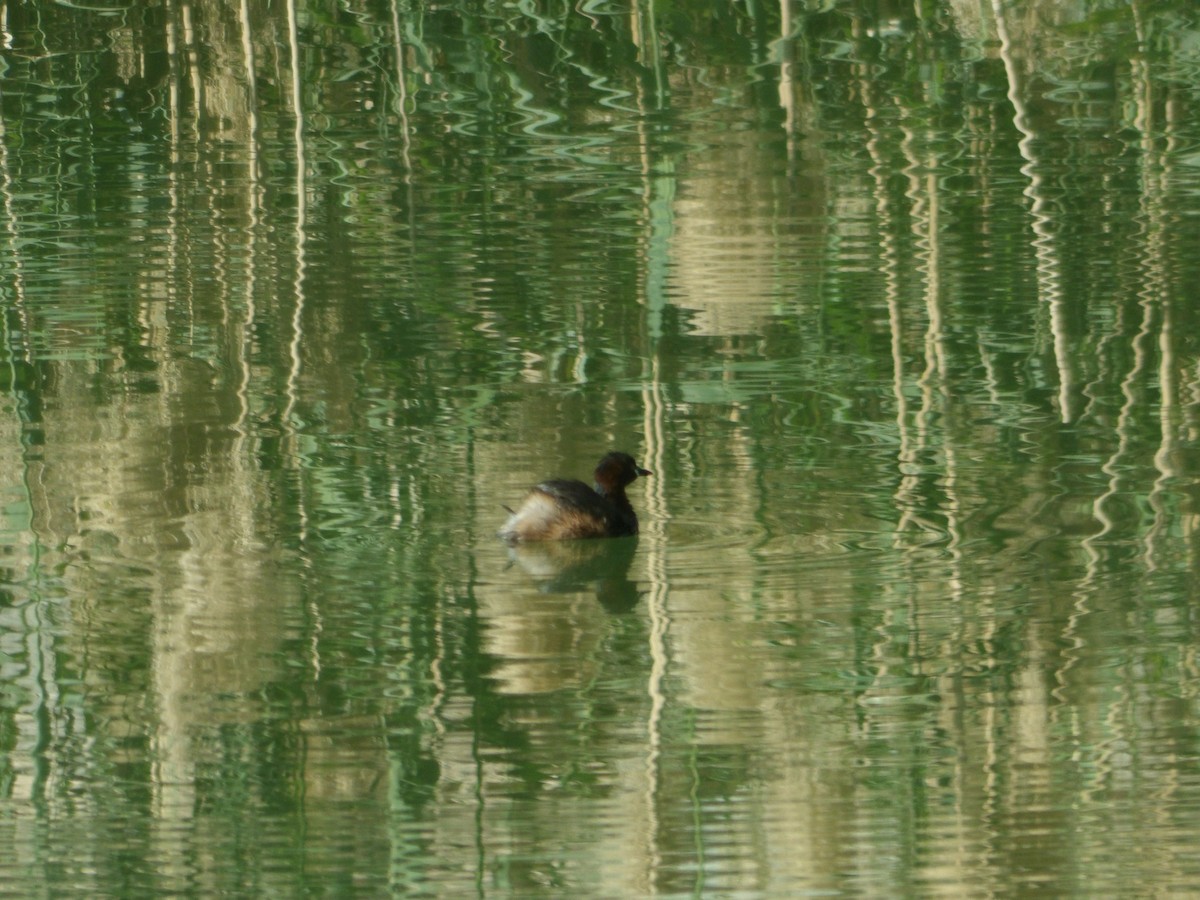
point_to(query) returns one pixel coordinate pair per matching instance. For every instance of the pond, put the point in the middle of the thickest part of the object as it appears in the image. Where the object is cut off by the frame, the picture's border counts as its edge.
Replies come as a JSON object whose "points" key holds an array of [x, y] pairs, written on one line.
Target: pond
{"points": [[896, 303]]}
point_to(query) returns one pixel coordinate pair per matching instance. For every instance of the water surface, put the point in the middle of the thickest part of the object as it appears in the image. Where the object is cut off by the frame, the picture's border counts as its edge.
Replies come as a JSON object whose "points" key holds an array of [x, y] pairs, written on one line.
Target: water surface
{"points": [[898, 309]]}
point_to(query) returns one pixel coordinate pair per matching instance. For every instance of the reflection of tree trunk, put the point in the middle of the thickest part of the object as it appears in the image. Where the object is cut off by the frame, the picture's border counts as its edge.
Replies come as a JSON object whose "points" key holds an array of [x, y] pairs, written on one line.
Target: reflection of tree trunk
{"points": [[1049, 267], [402, 101], [890, 267], [241, 339], [658, 200], [787, 79], [294, 354], [1155, 180], [174, 768], [644, 32]]}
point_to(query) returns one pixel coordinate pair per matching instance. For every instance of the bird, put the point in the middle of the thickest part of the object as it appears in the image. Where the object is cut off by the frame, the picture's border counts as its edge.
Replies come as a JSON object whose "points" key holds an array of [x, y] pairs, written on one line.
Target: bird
{"points": [[564, 509]]}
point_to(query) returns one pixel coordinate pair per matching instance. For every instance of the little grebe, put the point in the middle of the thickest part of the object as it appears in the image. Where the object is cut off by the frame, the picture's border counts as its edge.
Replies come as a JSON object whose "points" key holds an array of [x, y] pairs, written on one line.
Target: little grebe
{"points": [[560, 509]]}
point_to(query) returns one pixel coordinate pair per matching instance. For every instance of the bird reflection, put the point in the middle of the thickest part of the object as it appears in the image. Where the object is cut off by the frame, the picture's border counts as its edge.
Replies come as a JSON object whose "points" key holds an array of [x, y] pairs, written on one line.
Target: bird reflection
{"points": [[570, 567]]}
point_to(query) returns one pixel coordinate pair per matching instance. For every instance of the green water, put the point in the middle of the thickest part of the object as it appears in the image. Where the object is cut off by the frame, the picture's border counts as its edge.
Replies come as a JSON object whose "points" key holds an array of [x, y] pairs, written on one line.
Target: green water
{"points": [[896, 301]]}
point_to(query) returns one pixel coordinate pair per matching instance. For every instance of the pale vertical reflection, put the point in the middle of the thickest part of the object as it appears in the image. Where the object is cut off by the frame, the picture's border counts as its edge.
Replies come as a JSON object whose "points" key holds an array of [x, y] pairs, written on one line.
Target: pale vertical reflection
{"points": [[658, 198], [301, 215], [1125, 419], [1193, 405], [172, 761], [658, 195], [1155, 291], [177, 116], [253, 213], [787, 83], [1155, 185], [1029, 754], [1071, 633], [1094, 389], [656, 605], [1189, 521], [402, 99], [933, 324], [579, 364], [890, 266], [935, 351], [193, 57], [292, 389], [656, 563], [924, 193], [1049, 269], [172, 102], [644, 31]]}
